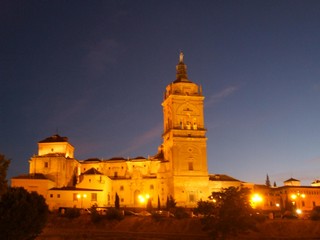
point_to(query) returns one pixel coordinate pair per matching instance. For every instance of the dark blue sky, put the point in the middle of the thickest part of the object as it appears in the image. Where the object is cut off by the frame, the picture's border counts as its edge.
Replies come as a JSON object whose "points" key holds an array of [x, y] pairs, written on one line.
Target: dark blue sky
{"points": [[95, 71]]}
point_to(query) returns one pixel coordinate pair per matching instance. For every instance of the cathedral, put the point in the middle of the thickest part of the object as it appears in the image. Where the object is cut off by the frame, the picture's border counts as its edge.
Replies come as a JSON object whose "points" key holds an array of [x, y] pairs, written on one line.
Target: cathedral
{"points": [[179, 169]]}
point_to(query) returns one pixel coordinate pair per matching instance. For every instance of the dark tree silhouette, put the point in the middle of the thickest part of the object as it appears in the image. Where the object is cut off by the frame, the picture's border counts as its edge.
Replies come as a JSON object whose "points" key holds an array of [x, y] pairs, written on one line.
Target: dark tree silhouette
{"points": [[229, 213], [4, 165], [268, 184], [149, 205], [117, 202], [23, 215], [171, 203], [159, 206], [274, 184]]}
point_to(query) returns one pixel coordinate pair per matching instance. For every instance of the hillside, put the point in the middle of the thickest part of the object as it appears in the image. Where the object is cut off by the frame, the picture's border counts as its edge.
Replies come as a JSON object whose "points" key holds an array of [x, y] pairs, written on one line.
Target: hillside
{"points": [[134, 227]]}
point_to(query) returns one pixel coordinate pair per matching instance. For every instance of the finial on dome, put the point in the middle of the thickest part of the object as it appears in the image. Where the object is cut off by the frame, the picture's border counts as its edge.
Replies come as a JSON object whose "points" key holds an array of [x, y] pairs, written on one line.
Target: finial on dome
{"points": [[181, 57], [181, 68]]}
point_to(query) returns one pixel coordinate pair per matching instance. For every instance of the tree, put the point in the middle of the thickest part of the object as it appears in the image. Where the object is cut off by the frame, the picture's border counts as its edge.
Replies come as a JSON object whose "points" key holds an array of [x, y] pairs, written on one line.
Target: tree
{"points": [[171, 203], [22, 214], [159, 206], [268, 184], [274, 184], [228, 213], [4, 165], [117, 202], [149, 205]]}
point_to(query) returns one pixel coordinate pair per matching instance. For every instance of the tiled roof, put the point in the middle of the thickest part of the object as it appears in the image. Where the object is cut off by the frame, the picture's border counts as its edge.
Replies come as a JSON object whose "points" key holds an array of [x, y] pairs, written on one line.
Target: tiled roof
{"points": [[92, 160], [92, 171], [54, 138], [117, 158], [292, 179], [75, 189], [31, 176], [222, 177]]}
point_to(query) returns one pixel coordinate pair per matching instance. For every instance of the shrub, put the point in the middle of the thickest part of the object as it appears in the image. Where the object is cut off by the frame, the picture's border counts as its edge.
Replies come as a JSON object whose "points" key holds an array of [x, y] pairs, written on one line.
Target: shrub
{"points": [[72, 213], [95, 216], [315, 214], [156, 216], [114, 214], [23, 215], [180, 212]]}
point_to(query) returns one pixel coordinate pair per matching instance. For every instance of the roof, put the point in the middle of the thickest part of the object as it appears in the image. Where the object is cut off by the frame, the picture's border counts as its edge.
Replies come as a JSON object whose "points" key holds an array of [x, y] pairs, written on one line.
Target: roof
{"points": [[92, 171], [54, 138], [92, 160], [222, 177], [117, 158], [292, 180], [31, 176], [74, 189]]}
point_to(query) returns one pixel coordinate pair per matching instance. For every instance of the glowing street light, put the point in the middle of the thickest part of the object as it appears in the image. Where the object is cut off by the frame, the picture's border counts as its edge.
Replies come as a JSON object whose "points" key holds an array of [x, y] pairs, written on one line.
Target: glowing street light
{"points": [[81, 196], [296, 198], [256, 199], [143, 198]]}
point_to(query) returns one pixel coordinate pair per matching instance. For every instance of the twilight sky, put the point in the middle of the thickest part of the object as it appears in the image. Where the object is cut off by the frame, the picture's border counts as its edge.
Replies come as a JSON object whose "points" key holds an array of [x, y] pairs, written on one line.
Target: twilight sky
{"points": [[95, 71]]}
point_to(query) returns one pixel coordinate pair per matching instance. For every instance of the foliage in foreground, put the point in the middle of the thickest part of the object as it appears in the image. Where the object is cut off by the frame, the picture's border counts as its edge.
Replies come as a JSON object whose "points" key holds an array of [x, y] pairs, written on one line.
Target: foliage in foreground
{"points": [[4, 164], [229, 213], [109, 214], [315, 214], [23, 215]]}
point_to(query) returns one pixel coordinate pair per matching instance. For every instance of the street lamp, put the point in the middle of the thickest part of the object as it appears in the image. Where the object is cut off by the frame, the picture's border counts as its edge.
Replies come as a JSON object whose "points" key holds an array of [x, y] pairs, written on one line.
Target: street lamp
{"points": [[81, 196], [256, 199], [296, 197], [144, 199]]}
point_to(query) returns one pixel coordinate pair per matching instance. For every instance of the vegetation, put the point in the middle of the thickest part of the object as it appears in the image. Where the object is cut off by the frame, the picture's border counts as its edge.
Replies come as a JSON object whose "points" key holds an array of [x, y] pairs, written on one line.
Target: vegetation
{"points": [[72, 213], [268, 183], [117, 202], [180, 212], [114, 214], [171, 203], [228, 213], [4, 165], [149, 205], [315, 214], [22, 214], [159, 206]]}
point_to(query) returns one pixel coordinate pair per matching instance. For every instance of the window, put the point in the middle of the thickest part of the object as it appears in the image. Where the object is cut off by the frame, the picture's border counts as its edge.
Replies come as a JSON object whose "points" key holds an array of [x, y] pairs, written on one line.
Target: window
{"points": [[51, 195], [121, 188], [190, 166], [46, 164], [151, 187], [58, 195], [115, 174], [93, 197], [314, 203], [122, 200], [191, 198], [303, 204]]}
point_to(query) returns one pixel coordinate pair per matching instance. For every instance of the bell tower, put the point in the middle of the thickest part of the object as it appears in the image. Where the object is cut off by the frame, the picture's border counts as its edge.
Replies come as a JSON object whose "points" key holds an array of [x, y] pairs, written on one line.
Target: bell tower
{"points": [[184, 138]]}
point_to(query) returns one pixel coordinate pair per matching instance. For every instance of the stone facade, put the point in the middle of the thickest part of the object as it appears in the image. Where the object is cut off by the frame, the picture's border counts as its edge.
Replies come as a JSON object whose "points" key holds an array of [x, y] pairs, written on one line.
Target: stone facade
{"points": [[179, 169]]}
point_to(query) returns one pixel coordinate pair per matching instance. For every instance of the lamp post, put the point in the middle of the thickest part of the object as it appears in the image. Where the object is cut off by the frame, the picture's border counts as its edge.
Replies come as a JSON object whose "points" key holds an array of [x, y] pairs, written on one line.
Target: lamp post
{"points": [[296, 201], [256, 200], [81, 196], [143, 198]]}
